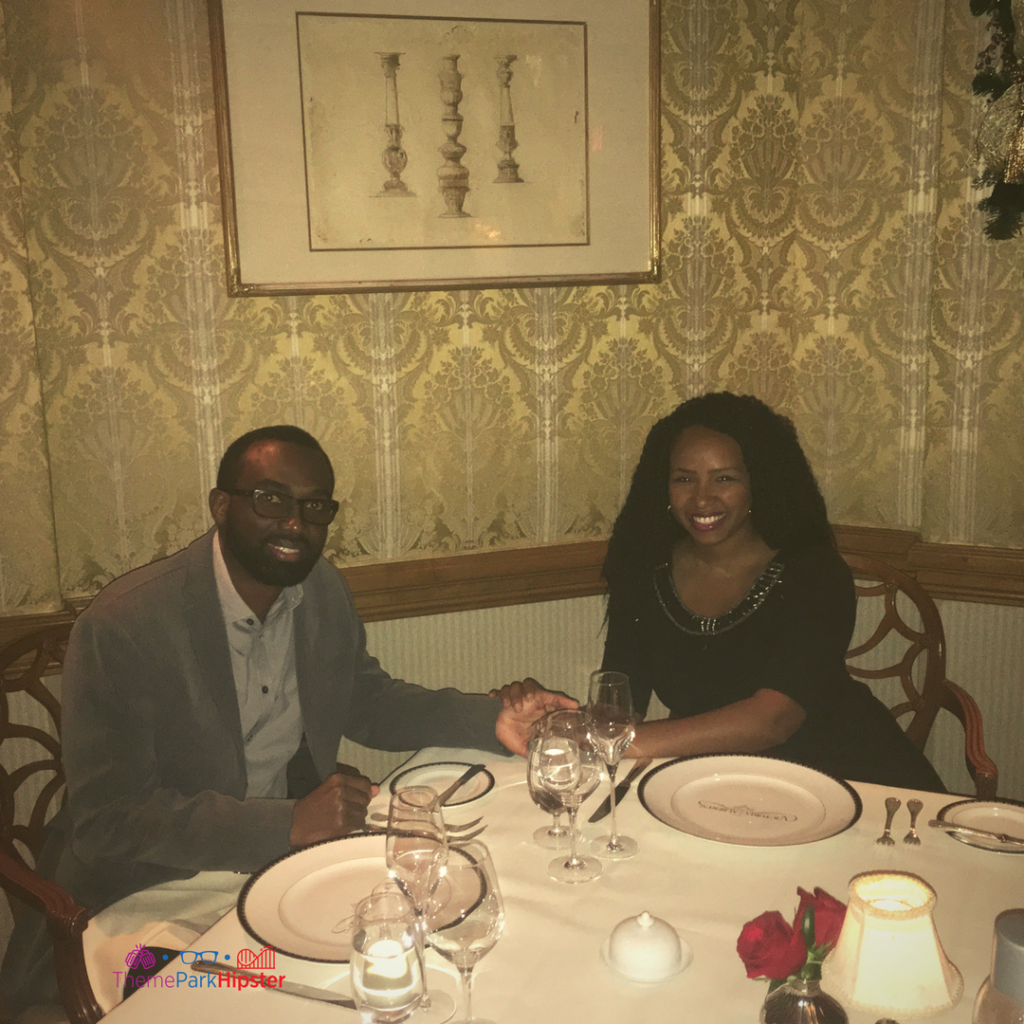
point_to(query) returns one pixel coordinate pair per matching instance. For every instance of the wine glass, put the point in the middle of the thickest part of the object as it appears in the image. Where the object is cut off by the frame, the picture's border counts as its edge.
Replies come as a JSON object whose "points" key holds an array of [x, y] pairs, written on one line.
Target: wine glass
{"points": [[554, 836], [387, 974], [467, 913], [612, 726], [569, 766], [416, 851]]}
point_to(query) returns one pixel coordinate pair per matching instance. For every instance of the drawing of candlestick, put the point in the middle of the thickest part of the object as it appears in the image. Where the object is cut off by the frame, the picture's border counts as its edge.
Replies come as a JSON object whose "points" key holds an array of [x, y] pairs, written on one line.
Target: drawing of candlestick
{"points": [[394, 157], [508, 169], [453, 177]]}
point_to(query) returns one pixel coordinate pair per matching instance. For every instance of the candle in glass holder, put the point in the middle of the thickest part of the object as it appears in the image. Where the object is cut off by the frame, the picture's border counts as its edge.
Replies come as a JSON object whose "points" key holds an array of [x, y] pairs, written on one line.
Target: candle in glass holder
{"points": [[387, 978]]}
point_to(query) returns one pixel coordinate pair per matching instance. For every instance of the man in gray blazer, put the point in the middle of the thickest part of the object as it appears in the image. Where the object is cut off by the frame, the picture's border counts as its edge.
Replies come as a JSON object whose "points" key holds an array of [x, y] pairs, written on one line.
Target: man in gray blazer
{"points": [[205, 695]]}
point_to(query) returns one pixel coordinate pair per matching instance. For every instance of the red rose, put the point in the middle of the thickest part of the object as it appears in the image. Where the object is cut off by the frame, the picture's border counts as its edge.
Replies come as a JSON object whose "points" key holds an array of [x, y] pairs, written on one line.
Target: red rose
{"points": [[828, 915], [770, 948]]}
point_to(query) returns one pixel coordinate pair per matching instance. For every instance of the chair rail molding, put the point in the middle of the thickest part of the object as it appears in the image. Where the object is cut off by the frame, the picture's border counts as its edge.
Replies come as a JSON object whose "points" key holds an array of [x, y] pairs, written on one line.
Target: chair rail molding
{"points": [[491, 579]]}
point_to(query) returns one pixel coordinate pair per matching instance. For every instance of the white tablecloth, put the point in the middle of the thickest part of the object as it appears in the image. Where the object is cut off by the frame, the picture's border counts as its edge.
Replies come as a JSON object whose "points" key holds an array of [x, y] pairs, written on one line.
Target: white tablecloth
{"points": [[547, 965]]}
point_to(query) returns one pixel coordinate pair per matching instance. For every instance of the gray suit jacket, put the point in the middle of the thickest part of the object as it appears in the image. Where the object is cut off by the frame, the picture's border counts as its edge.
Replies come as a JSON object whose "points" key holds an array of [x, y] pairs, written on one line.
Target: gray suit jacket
{"points": [[152, 737]]}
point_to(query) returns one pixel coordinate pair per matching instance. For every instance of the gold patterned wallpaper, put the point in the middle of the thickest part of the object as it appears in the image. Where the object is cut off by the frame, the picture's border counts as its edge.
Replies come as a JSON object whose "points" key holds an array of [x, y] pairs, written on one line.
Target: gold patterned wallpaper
{"points": [[822, 249]]}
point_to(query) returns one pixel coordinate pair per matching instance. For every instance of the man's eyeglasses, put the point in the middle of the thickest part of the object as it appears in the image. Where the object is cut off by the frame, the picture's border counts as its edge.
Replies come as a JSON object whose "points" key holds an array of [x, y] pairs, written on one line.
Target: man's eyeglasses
{"points": [[274, 505]]}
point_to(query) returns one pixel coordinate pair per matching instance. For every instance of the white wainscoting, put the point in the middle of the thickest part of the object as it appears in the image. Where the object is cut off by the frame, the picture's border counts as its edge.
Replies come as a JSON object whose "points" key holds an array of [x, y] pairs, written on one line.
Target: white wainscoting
{"points": [[560, 643], [985, 655]]}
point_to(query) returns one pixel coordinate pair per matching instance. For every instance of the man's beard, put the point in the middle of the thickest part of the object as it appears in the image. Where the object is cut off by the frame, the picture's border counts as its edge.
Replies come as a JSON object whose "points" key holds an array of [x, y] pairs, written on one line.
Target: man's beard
{"points": [[261, 565]]}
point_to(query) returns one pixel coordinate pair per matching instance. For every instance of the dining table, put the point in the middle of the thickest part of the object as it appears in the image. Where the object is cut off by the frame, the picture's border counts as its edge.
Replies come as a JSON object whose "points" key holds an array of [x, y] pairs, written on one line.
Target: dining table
{"points": [[548, 963]]}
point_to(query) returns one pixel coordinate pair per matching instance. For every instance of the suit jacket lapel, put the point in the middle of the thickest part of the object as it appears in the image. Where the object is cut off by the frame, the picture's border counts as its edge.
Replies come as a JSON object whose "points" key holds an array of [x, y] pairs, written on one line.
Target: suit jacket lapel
{"points": [[205, 623], [306, 627]]}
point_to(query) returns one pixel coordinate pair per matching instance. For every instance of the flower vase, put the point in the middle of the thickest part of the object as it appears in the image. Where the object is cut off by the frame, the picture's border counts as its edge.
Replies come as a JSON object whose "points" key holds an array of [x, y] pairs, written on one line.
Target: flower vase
{"points": [[801, 1001]]}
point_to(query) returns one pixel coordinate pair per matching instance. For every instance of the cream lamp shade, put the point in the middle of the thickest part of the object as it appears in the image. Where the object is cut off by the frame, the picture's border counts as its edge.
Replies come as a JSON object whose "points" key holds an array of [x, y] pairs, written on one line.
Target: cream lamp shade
{"points": [[888, 958]]}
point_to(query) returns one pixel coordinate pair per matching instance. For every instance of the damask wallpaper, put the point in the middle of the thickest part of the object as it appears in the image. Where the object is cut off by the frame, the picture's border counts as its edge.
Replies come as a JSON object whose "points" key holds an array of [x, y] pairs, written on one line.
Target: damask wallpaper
{"points": [[822, 249]]}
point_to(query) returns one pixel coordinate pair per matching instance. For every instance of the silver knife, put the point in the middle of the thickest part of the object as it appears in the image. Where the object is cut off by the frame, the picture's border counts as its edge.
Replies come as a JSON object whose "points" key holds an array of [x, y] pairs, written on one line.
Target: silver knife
{"points": [[979, 832], [605, 807], [459, 783], [289, 988]]}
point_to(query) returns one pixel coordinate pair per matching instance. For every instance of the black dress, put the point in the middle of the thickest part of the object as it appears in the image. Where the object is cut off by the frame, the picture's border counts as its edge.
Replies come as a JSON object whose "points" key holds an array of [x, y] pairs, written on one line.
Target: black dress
{"points": [[790, 633]]}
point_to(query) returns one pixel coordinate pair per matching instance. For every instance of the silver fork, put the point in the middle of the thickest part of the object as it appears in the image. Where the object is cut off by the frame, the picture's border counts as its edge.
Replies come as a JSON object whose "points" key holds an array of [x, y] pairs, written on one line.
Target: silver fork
{"points": [[464, 837], [892, 805], [914, 806], [450, 828]]}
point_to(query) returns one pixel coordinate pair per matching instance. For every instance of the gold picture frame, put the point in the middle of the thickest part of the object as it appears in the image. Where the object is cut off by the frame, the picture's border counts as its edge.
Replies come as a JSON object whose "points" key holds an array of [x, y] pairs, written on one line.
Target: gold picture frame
{"points": [[366, 145]]}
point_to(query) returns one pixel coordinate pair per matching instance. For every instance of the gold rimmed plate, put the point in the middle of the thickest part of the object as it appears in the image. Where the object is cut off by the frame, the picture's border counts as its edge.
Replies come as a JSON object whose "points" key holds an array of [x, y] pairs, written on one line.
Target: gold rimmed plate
{"points": [[745, 800], [439, 775], [301, 904], [1004, 816]]}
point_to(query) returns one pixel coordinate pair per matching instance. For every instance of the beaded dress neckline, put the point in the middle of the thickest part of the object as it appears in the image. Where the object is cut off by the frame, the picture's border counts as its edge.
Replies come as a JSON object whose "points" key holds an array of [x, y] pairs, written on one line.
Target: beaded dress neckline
{"points": [[701, 625]]}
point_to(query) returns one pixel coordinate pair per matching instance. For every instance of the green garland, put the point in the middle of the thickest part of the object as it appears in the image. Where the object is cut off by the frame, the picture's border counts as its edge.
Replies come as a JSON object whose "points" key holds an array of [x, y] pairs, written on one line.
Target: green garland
{"points": [[995, 71]]}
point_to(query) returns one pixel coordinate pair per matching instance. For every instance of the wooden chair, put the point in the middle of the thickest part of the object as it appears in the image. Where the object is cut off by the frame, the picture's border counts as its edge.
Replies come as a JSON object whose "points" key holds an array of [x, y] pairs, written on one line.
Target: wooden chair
{"points": [[930, 690], [23, 664]]}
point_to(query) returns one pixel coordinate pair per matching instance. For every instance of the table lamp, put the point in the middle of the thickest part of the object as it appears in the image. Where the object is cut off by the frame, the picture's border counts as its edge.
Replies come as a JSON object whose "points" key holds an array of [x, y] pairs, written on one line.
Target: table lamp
{"points": [[888, 958]]}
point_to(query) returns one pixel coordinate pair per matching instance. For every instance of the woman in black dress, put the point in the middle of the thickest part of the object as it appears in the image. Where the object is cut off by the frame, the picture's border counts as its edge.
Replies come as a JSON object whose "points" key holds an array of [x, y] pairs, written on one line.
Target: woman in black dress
{"points": [[727, 598]]}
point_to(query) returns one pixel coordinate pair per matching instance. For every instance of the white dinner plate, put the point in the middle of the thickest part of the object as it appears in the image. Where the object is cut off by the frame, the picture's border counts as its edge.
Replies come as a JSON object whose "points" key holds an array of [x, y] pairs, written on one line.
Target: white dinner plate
{"points": [[301, 904], [441, 774], [749, 801], [990, 815]]}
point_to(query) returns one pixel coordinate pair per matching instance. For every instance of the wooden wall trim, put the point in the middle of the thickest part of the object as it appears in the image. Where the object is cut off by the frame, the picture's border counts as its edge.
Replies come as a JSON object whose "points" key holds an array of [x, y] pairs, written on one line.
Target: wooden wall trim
{"points": [[953, 572], [490, 579]]}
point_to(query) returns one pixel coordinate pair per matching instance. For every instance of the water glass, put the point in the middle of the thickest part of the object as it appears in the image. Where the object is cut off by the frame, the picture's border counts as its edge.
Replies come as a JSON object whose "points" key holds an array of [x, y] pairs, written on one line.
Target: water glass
{"points": [[569, 766], [612, 726], [467, 914], [416, 851], [554, 836]]}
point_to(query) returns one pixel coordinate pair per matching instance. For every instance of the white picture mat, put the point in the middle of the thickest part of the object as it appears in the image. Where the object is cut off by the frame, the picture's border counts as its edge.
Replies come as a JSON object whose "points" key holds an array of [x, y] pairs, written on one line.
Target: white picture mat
{"points": [[268, 165]]}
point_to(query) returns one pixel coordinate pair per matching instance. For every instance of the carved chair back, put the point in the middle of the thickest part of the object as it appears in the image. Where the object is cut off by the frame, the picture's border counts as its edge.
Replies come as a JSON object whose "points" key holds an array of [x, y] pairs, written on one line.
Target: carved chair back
{"points": [[909, 632], [32, 789], [31, 768]]}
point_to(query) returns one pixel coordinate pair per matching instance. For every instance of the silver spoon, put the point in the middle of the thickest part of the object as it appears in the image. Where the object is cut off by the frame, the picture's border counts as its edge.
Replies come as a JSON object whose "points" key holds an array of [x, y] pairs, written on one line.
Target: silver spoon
{"points": [[914, 806], [892, 805]]}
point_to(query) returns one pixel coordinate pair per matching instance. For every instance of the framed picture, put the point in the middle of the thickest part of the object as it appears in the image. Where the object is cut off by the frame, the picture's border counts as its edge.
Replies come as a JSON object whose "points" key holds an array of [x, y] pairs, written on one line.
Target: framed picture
{"points": [[380, 145]]}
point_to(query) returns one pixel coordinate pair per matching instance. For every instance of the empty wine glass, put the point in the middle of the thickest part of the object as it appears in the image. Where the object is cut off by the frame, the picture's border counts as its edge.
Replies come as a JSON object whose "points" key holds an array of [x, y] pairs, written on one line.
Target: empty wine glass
{"points": [[467, 914], [416, 851], [387, 974], [612, 726], [569, 766], [554, 836]]}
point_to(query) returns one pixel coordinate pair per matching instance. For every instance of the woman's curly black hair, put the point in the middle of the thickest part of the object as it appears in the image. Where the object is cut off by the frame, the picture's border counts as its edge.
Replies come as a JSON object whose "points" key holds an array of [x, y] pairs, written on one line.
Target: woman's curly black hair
{"points": [[787, 508]]}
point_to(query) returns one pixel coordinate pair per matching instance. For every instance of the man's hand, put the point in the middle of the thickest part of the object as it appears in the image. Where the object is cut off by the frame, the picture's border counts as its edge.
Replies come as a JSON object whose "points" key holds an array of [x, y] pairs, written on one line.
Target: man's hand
{"points": [[336, 807], [523, 702], [515, 693]]}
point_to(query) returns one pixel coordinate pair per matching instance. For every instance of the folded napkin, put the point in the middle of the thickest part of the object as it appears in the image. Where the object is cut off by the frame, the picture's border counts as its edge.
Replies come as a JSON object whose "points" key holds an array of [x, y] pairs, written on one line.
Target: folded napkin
{"points": [[171, 916]]}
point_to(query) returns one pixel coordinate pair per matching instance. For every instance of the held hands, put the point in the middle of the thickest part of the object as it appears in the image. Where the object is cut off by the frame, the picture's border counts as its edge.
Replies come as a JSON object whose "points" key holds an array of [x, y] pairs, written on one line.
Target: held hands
{"points": [[513, 694], [336, 807], [523, 702]]}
